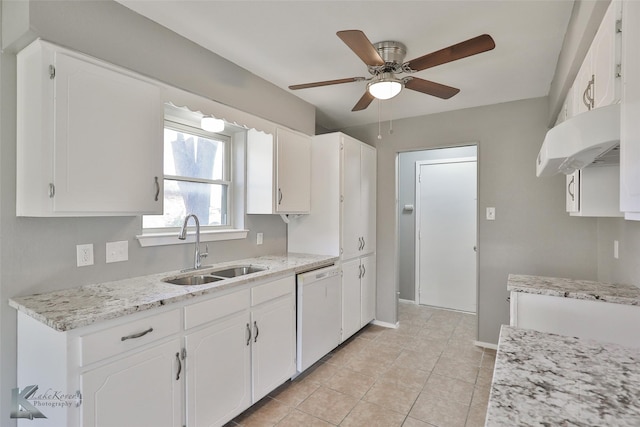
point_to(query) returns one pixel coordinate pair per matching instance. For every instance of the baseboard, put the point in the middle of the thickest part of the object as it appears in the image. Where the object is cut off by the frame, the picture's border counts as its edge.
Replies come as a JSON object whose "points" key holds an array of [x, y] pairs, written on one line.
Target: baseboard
{"points": [[407, 301], [386, 324], [486, 345]]}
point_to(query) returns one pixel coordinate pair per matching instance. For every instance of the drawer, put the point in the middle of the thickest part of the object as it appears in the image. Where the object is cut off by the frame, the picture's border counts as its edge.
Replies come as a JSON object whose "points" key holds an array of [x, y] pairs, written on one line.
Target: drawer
{"points": [[121, 338], [215, 308], [272, 290]]}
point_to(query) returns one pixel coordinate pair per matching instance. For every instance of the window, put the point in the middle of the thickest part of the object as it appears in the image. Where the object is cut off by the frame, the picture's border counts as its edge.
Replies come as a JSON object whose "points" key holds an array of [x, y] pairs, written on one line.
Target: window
{"points": [[197, 178]]}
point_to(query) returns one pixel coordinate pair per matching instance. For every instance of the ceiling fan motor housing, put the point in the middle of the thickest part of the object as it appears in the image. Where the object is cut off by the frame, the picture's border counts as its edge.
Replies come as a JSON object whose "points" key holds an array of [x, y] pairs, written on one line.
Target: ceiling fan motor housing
{"points": [[392, 53]]}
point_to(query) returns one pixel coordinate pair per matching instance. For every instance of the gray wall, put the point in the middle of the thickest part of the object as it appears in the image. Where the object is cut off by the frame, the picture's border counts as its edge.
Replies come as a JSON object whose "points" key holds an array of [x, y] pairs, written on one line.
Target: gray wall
{"points": [[625, 269], [531, 234], [38, 254], [407, 219]]}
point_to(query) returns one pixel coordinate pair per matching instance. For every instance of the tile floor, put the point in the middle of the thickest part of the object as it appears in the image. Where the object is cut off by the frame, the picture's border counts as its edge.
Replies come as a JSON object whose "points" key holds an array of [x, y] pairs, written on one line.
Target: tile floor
{"points": [[425, 373]]}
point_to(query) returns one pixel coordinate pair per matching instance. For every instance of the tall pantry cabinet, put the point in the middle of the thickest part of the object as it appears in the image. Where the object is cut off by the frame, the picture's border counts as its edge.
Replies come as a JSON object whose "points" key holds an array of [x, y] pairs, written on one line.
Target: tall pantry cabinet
{"points": [[343, 221]]}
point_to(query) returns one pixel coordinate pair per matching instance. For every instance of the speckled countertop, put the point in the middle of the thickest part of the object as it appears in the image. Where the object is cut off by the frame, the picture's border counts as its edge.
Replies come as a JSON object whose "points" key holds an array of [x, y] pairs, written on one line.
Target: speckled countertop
{"points": [[77, 307], [578, 289], [543, 379]]}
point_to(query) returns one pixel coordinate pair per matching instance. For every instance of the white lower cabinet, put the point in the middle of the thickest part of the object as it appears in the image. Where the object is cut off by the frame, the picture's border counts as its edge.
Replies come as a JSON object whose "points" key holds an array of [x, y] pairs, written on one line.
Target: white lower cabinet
{"points": [[597, 320], [197, 365], [358, 294], [218, 378], [143, 388]]}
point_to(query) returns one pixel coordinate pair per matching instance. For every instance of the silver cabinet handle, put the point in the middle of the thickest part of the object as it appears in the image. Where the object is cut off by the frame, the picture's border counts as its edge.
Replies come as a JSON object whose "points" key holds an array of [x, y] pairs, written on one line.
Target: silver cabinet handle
{"points": [[359, 272], [364, 243], [157, 188], [279, 196], [179, 366], [249, 333], [572, 182], [255, 325], [52, 190], [138, 335], [364, 270], [588, 97]]}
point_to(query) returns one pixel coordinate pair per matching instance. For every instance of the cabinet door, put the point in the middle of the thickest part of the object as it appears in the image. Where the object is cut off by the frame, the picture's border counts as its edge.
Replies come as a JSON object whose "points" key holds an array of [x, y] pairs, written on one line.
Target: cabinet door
{"points": [[351, 298], [218, 373], [572, 195], [293, 180], [604, 59], [108, 141], [351, 199], [368, 289], [582, 87], [368, 198], [274, 344], [138, 390], [629, 114]]}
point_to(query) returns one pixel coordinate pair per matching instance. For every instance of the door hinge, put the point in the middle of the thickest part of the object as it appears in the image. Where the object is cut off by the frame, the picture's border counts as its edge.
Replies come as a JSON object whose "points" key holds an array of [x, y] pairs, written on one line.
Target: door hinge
{"points": [[618, 70], [420, 178], [619, 26], [52, 71], [52, 190], [184, 353]]}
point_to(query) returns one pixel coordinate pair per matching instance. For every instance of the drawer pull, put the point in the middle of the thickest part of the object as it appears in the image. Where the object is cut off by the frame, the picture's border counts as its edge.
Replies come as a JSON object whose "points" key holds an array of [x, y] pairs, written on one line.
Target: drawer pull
{"points": [[255, 324], [179, 366], [138, 335], [249, 333]]}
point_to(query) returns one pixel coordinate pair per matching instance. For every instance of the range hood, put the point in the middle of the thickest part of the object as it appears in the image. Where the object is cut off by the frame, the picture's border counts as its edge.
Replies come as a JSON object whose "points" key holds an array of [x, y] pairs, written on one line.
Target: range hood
{"points": [[579, 141]]}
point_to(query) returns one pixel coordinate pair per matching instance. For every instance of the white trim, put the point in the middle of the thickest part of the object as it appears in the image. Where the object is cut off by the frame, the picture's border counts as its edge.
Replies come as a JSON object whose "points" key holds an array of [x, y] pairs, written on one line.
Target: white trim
{"points": [[407, 301], [486, 345], [386, 324], [163, 239]]}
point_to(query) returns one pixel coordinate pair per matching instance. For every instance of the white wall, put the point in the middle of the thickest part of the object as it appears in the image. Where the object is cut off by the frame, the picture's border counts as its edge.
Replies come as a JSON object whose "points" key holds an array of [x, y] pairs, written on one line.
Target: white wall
{"points": [[531, 234], [38, 254]]}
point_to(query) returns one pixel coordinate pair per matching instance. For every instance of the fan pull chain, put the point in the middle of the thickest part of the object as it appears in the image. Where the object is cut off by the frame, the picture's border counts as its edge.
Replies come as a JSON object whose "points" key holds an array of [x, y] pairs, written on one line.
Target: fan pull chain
{"points": [[391, 118], [379, 121]]}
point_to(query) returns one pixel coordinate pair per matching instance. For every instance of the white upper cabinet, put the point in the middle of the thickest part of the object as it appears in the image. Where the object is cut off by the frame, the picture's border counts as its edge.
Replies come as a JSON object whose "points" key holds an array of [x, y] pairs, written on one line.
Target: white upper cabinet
{"points": [[278, 174], [597, 83], [593, 192], [89, 137], [630, 113]]}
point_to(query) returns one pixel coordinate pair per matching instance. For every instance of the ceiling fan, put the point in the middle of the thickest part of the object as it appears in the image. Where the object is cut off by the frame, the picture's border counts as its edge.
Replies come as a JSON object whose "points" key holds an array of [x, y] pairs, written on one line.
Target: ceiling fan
{"points": [[385, 59]]}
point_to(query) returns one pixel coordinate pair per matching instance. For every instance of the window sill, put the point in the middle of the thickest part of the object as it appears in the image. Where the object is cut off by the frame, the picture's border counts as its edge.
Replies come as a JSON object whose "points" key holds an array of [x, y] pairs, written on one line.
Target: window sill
{"points": [[164, 239]]}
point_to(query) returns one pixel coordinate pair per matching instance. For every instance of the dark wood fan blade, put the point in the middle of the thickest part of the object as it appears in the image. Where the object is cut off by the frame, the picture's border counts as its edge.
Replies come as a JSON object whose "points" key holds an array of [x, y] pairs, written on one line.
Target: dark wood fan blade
{"points": [[327, 83], [361, 46], [461, 50], [364, 102], [431, 88]]}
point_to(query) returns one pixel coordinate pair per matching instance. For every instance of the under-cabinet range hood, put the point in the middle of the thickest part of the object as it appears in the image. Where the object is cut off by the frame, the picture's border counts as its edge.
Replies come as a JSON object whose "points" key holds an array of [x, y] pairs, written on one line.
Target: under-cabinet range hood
{"points": [[579, 141]]}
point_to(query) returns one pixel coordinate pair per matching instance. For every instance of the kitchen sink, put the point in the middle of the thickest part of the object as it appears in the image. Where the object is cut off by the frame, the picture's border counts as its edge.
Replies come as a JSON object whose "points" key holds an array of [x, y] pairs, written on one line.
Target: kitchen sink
{"points": [[213, 276], [198, 279], [236, 271]]}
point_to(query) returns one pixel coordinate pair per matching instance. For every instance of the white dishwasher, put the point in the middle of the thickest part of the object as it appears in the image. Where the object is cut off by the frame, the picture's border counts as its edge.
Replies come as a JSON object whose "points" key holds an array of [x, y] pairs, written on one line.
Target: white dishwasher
{"points": [[319, 314]]}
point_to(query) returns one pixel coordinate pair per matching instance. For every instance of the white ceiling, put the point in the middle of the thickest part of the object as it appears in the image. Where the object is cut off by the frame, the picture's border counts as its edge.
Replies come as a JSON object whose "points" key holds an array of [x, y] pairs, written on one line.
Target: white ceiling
{"points": [[292, 42]]}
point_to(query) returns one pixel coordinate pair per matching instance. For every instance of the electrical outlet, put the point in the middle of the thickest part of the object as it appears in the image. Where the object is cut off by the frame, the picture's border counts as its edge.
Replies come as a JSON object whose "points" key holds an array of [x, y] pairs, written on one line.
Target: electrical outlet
{"points": [[117, 251], [259, 238], [491, 214], [84, 254]]}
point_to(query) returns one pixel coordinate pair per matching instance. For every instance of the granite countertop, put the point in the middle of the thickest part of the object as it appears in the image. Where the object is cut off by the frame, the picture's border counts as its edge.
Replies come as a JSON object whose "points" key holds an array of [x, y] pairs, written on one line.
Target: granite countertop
{"points": [[547, 379], [77, 307], [578, 289]]}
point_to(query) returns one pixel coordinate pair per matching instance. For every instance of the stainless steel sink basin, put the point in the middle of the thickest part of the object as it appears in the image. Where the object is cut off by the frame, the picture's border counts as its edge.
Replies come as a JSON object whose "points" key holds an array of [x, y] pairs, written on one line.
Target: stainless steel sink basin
{"points": [[236, 271], [198, 279], [213, 276]]}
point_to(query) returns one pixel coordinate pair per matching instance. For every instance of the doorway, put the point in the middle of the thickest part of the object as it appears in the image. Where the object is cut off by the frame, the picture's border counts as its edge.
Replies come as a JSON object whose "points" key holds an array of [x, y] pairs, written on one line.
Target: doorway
{"points": [[446, 233]]}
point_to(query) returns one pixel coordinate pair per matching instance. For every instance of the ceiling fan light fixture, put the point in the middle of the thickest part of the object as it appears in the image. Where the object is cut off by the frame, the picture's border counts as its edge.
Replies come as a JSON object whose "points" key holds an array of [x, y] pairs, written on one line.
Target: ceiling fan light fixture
{"points": [[211, 124], [386, 86]]}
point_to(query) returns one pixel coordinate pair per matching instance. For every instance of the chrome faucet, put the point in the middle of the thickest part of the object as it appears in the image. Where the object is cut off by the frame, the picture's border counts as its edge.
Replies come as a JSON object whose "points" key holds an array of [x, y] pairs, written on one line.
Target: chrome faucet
{"points": [[183, 235]]}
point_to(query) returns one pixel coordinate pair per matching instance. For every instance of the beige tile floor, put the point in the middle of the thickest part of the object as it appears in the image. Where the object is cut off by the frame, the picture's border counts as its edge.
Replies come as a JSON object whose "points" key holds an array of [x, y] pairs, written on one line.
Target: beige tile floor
{"points": [[425, 373]]}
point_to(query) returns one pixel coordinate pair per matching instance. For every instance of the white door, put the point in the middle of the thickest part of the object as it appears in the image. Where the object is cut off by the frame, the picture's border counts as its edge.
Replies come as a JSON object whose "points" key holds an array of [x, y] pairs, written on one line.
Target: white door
{"points": [[218, 371], [351, 199], [274, 344], [447, 211], [293, 173], [368, 289], [142, 389], [351, 297]]}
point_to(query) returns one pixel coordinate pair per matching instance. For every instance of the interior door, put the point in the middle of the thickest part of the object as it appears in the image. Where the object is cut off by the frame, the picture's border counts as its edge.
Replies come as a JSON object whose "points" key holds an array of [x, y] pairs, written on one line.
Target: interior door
{"points": [[447, 223]]}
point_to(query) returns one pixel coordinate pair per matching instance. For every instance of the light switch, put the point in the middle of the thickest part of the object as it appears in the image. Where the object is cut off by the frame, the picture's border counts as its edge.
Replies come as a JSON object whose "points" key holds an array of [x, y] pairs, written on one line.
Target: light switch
{"points": [[117, 251], [491, 214]]}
